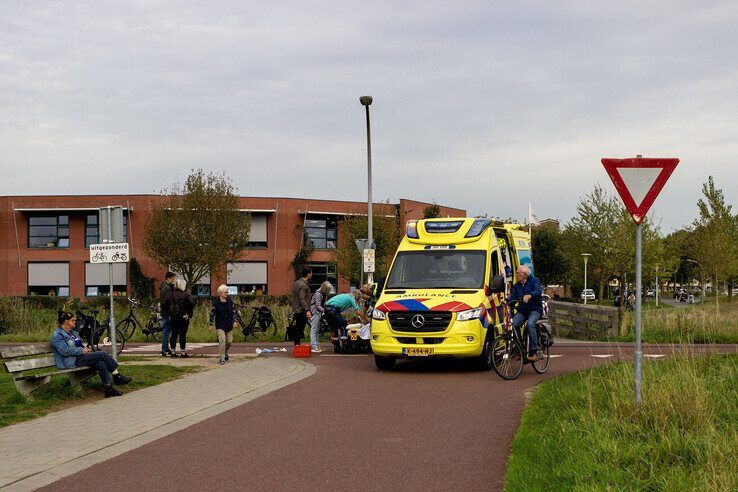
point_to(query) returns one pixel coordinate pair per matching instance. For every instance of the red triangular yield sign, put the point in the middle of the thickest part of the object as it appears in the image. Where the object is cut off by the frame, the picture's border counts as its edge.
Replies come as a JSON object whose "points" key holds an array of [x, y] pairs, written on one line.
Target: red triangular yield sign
{"points": [[639, 181]]}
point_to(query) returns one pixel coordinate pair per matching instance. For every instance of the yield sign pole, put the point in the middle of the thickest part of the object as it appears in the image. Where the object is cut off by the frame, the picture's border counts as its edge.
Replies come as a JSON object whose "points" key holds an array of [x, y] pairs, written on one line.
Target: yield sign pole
{"points": [[639, 181]]}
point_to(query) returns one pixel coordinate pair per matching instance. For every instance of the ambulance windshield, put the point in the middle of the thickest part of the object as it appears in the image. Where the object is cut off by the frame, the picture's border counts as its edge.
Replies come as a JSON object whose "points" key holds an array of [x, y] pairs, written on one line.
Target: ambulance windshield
{"points": [[445, 269]]}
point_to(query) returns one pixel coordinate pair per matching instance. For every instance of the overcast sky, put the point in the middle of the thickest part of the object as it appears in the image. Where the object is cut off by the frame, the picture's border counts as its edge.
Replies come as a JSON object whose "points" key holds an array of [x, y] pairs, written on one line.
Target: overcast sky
{"points": [[479, 105]]}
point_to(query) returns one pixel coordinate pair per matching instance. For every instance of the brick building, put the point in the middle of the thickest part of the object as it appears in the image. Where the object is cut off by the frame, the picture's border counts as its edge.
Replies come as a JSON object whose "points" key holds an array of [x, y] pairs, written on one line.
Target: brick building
{"points": [[44, 243]]}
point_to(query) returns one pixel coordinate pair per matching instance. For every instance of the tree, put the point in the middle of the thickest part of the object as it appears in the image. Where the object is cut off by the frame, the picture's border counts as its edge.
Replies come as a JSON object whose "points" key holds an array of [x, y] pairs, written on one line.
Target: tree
{"points": [[593, 231], [551, 265], [142, 287], [386, 235], [197, 227], [715, 233], [302, 256], [432, 211]]}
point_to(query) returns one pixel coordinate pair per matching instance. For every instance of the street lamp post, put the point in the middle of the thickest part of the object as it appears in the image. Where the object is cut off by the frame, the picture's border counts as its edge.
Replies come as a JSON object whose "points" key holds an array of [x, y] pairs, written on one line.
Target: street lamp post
{"points": [[366, 101], [585, 256]]}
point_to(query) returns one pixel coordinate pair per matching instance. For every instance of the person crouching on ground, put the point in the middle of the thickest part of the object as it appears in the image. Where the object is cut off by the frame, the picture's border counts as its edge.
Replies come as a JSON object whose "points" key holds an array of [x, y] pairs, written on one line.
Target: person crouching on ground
{"points": [[69, 352], [343, 305], [180, 305], [317, 308], [223, 321]]}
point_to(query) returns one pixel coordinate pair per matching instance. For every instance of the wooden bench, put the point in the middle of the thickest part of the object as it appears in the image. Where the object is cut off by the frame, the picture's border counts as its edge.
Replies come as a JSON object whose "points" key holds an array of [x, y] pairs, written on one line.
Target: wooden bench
{"points": [[19, 360]]}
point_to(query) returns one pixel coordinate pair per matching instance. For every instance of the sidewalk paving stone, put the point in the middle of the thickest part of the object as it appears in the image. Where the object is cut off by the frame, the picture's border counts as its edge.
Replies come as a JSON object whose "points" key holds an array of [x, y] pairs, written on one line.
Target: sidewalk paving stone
{"points": [[41, 451]]}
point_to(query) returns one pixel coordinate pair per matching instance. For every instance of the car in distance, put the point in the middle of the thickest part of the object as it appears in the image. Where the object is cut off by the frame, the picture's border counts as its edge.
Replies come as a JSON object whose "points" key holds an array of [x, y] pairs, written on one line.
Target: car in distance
{"points": [[588, 294]]}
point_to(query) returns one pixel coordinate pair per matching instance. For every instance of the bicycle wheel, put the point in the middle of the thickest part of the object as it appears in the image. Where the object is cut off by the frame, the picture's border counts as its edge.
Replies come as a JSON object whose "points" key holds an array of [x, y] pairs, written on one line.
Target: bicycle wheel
{"points": [[541, 366], [265, 334], [507, 357], [101, 340], [126, 327]]}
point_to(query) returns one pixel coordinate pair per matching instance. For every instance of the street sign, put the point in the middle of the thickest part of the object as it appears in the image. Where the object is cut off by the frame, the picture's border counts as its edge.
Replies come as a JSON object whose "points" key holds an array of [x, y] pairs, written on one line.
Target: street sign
{"points": [[109, 253], [369, 260], [111, 224], [639, 181]]}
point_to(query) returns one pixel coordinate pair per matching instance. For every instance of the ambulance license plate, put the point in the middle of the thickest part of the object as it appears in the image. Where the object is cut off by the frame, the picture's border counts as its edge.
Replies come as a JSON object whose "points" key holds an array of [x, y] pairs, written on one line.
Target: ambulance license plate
{"points": [[418, 351]]}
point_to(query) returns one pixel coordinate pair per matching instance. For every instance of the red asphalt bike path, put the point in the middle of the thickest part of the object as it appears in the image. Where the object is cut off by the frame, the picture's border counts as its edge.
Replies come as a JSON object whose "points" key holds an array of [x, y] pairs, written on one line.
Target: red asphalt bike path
{"points": [[429, 424]]}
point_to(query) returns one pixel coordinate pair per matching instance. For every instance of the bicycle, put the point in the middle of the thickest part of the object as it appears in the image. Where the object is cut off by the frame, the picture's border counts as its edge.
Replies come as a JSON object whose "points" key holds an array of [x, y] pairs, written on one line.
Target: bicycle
{"points": [[152, 329], [99, 256], [510, 353], [97, 334], [261, 326]]}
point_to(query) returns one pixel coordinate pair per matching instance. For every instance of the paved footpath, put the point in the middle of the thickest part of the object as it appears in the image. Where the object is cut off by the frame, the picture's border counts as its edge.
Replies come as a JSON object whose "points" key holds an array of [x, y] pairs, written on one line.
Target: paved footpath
{"points": [[41, 451]]}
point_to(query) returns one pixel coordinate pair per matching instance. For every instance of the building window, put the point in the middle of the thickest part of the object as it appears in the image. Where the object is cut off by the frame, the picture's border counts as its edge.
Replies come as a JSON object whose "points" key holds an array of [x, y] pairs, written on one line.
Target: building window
{"points": [[97, 279], [48, 231], [247, 277], [322, 272], [48, 279], [322, 232], [92, 229], [258, 232]]}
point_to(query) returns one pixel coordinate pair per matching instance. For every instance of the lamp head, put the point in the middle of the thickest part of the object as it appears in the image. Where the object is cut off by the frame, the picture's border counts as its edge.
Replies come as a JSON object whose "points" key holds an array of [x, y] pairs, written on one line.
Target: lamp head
{"points": [[365, 100]]}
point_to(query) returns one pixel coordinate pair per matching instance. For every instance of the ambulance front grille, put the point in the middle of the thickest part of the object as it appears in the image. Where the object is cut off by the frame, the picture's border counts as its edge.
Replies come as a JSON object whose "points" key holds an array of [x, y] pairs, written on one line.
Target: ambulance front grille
{"points": [[431, 321]]}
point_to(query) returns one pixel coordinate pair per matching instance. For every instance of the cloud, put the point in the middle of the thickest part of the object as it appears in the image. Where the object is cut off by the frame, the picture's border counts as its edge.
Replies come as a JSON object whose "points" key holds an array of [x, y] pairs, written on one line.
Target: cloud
{"points": [[478, 106]]}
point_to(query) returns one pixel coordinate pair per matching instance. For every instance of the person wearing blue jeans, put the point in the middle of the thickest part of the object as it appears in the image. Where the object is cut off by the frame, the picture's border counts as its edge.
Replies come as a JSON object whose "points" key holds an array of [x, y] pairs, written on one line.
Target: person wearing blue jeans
{"points": [[527, 291], [69, 352], [166, 287]]}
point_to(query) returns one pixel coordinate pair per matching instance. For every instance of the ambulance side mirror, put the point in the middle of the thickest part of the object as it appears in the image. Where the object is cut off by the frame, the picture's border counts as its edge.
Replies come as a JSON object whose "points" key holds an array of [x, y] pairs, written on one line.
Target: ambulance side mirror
{"points": [[498, 284]]}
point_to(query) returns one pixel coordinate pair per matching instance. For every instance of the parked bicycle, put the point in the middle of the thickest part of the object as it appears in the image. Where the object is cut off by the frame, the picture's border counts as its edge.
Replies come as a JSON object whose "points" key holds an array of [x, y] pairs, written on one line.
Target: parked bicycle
{"points": [[261, 326], [97, 334], [152, 329], [511, 348]]}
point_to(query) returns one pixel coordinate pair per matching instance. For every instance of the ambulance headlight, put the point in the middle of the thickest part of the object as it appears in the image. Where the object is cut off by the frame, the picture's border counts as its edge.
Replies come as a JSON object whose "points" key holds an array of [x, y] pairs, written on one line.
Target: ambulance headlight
{"points": [[470, 314], [411, 229], [478, 226], [377, 314]]}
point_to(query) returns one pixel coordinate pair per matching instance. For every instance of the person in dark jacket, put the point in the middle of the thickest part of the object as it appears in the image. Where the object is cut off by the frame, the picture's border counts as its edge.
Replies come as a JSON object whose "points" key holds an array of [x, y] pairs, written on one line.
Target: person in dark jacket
{"points": [[300, 306], [69, 352], [165, 288], [223, 321], [527, 291], [180, 305]]}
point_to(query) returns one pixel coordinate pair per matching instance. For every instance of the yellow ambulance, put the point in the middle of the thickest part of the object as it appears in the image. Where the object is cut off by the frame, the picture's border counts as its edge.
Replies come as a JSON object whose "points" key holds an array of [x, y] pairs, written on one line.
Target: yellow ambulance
{"points": [[442, 296]]}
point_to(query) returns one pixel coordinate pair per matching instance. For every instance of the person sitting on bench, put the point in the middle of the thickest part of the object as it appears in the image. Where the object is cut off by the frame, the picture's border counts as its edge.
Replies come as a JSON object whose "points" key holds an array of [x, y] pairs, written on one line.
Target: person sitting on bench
{"points": [[69, 352]]}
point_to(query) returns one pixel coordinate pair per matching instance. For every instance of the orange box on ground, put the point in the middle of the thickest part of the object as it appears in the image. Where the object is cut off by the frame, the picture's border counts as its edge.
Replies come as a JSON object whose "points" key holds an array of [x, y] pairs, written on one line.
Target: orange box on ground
{"points": [[301, 351]]}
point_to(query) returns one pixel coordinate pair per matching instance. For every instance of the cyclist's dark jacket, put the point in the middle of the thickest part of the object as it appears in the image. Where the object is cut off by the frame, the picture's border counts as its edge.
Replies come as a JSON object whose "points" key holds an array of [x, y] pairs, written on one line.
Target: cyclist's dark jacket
{"points": [[533, 287], [223, 314]]}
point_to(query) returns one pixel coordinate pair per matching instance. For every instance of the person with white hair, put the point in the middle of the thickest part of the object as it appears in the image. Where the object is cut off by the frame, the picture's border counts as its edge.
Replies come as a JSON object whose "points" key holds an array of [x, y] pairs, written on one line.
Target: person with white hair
{"points": [[180, 305], [223, 321], [527, 292], [317, 308]]}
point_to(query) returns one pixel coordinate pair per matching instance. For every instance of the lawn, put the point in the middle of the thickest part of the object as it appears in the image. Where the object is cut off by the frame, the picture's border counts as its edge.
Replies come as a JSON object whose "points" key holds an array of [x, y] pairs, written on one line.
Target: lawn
{"points": [[583, 431], [58, 394]]}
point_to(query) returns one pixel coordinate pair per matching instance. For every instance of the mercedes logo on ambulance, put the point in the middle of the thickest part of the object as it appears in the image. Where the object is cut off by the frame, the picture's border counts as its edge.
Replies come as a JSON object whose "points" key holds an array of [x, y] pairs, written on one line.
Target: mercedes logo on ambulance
{"points": [[418, 321]]}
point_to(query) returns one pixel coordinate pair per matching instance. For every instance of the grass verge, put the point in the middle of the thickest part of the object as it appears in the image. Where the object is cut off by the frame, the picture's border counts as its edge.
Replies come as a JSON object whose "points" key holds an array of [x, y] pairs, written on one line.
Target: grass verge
{"points": [[583, 431], [15, 408]]}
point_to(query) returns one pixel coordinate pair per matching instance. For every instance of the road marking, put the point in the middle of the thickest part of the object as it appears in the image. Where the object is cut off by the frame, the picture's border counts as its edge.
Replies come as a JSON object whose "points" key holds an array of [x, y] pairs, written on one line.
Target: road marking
{"points": [[600, 356], [554, 356], [654, 356]]}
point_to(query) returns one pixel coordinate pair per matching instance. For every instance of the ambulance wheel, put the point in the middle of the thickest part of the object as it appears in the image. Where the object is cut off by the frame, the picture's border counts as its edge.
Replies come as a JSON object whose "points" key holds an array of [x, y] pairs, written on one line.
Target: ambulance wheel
{"points": [[486, 359], [384, 363]]}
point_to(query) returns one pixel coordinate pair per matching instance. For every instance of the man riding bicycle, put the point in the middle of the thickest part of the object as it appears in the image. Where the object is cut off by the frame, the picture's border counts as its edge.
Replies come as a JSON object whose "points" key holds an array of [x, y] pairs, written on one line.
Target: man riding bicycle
{"points": [[527, 291]]}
